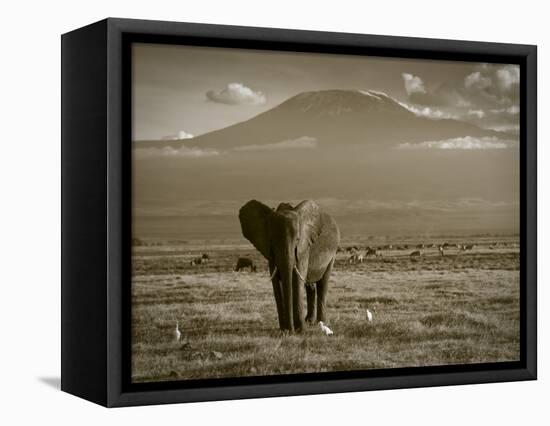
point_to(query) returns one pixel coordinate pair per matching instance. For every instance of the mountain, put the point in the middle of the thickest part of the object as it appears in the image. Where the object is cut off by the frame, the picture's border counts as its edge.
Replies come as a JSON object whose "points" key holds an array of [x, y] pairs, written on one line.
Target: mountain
{"points": [[334, 117], [349, 167]]}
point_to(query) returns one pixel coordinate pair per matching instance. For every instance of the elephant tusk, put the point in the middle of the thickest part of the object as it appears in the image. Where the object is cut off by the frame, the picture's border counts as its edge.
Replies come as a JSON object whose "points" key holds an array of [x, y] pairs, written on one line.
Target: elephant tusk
{"points": [[300, 275], [273, 274]]}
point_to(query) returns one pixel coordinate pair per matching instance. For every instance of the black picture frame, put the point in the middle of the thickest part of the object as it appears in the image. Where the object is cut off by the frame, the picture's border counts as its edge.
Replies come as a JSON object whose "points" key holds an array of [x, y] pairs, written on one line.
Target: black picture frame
{"points": [[96, 197]]}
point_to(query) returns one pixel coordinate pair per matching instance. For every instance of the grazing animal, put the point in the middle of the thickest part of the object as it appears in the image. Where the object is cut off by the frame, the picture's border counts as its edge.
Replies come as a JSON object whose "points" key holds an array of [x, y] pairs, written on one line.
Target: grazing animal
{"points": [[325, 329], [177, 332], [205, 256], [243, 263], [369, 315], [440, 248], [372, 252], [198, 261], [415, 254], [300, 245]]}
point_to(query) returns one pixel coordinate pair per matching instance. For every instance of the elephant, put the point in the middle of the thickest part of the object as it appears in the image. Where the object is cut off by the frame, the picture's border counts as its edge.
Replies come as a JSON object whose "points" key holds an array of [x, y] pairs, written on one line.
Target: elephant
{"points": [[300, 246], [245, 262]]}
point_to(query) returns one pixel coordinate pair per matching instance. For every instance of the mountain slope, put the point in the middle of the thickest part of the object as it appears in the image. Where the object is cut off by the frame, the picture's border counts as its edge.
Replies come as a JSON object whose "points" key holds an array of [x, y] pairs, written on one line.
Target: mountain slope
{"points": [[334, 117]]}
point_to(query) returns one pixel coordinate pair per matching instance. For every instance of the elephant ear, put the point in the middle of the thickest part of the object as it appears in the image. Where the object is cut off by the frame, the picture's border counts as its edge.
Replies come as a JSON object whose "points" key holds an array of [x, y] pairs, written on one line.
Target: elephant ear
{"points": [[310, 222], [253, 217]]}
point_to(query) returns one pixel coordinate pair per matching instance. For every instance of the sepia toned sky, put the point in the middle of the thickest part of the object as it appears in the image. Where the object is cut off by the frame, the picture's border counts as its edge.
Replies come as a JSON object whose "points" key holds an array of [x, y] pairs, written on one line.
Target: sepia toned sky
{"points": [[195, 90], [406, 172]]}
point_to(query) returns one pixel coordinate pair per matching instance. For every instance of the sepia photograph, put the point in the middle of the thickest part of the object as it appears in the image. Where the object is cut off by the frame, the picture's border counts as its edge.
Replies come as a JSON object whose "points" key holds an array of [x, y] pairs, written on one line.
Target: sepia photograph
{"points": [[298, 212]]}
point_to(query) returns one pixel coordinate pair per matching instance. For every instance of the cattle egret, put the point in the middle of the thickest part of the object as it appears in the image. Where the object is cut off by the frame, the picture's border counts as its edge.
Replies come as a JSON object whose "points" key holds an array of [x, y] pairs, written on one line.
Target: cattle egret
{"points": [[325, 329], [369, 315], [177, 332]]}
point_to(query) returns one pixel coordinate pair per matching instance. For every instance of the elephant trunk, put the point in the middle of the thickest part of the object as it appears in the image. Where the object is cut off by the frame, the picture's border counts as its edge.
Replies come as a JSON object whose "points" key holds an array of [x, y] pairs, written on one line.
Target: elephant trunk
{"points": [[285, 265]]}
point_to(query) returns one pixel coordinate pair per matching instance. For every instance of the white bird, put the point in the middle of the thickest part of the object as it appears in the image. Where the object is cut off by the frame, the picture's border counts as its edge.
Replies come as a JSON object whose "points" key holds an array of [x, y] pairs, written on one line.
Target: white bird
{"points": [[369, 315], [325, 329], [177, 332]]}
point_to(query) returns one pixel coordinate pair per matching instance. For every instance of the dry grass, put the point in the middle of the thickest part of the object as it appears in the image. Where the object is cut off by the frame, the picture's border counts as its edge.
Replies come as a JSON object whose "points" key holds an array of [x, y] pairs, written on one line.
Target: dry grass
{"points": [[460, 308]]}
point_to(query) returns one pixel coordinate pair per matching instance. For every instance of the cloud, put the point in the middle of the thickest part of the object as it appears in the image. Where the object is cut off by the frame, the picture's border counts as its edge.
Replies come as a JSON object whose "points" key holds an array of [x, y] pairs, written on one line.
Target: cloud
{"points": [[428, 112], [182, 134], [413, 84], [168, 151], [512, 110], [461, 143], [509, 128], [493, 84], [508, 77], [443, 94], [304, 142], [486, 86], [501, 119], [478, 113], [487, 95], [477, 81], [237, 94]]}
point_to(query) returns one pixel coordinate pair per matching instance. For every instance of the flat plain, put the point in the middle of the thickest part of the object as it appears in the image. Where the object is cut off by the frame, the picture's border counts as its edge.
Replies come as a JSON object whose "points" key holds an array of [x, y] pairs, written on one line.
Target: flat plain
{"points": [[457, 308]]}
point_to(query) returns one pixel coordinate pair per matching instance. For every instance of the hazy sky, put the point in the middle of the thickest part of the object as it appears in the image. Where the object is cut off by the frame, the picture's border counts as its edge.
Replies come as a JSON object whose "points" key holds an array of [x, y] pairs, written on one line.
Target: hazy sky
{"points": [[462, 183], [194, 90]]}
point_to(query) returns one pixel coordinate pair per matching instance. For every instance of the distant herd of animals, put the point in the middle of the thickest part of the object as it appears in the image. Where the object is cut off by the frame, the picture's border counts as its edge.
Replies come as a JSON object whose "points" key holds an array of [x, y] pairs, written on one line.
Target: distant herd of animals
{"points": [[356, 255], [243, 263], [205, 258]]}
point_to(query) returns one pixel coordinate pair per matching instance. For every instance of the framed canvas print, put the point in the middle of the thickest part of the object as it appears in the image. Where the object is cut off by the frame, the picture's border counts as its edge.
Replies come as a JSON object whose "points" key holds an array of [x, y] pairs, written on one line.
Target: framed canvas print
{"points": [[253, 212]]}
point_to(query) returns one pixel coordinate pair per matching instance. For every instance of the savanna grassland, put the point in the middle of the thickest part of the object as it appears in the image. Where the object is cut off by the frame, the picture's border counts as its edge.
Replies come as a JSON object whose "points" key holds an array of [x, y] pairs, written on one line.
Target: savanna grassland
{"points": [[462, 307]]}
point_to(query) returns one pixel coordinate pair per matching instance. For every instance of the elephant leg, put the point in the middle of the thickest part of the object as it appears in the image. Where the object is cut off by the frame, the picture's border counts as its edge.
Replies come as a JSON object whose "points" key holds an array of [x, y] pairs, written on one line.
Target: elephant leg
{"points": [[297, 296], [322, 289], [278, 294], [310, 295]]}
